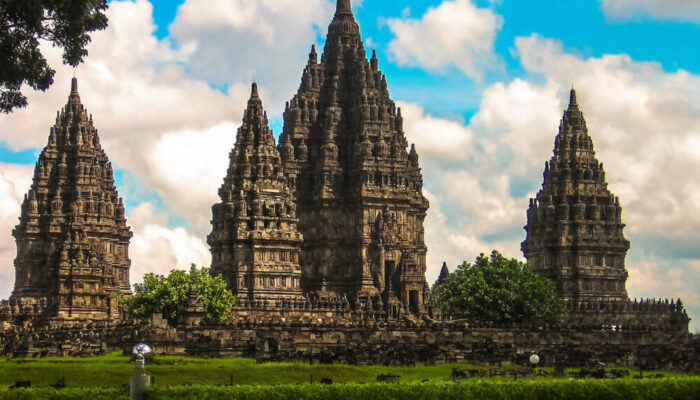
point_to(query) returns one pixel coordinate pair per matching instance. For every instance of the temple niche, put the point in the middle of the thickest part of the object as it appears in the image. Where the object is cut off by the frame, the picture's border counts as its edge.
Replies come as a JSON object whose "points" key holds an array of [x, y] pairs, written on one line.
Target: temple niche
{"points": [[255, 243], [574, 224], [357, 186], [72, 238]]}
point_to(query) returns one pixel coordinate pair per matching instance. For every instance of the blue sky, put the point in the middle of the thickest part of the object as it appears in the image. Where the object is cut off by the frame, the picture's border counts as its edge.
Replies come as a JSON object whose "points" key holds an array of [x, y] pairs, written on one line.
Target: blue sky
{"points": [[482, 84]]}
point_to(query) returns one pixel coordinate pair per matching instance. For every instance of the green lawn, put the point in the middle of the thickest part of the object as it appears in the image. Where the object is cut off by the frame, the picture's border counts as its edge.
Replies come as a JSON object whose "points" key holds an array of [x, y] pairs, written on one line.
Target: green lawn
{"points": [[113, 371]]}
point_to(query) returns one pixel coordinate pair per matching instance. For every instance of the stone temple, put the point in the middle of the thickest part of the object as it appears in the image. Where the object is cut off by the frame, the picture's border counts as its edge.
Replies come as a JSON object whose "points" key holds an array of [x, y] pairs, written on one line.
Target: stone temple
{"points": [[255, 242], [72, 239], [321, 238], [574, 225], [356, 188]]}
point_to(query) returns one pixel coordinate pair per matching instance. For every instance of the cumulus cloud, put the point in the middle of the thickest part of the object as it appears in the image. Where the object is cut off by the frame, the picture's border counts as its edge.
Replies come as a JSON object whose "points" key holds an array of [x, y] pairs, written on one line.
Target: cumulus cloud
{"points": [[684, 10], [14, 184], [230, 41], [158, 249], [195, 164], [438, 137], [455, 245], [454, 34], [134, 85]]}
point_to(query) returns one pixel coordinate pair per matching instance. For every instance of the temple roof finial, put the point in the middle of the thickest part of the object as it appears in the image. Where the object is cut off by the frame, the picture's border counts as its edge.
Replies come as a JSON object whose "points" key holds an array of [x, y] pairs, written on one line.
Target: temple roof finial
{"points": [[573, 102], [74, 97], [343, 7], [343, 22], [254, 90]]}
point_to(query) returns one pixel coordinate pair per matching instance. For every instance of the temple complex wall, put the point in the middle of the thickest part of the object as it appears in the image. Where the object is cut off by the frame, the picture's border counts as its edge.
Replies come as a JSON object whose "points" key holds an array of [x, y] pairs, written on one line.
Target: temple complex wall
{"points": [[326, 334]]}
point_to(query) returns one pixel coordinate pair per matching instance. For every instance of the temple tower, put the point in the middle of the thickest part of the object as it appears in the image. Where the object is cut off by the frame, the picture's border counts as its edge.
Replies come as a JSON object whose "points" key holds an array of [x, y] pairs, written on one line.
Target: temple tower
{"points": [[357, 185], [574, 226], [72, 239], [254, 241]]}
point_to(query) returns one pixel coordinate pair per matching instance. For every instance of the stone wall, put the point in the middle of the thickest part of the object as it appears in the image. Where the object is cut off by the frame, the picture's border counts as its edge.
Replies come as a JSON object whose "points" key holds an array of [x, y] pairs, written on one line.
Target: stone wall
{"points": [[317, 334]]}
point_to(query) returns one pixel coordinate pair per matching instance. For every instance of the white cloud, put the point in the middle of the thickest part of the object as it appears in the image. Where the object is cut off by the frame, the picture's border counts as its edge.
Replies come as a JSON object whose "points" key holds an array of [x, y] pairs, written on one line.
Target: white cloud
{"points": [[684, 10], [188, 167], [435, 137], [14, 184], [454, 34], [133, 84], [231, 41], [455, 245], [158, 249]]}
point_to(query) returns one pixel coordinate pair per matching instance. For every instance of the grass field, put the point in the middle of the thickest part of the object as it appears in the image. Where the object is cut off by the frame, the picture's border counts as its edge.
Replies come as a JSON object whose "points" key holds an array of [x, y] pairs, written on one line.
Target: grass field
{"points": [[472, 389], [113, 371]]}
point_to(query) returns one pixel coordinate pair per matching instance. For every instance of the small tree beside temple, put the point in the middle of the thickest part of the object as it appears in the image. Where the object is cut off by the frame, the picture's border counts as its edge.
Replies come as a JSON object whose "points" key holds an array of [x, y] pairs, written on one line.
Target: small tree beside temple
{"points": [[169, 295], [497, 289]]}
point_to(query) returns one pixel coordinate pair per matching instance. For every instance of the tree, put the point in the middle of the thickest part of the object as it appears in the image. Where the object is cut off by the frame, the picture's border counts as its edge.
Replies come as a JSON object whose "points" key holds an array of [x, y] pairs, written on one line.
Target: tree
{"points": [[23, 23], [169, 295], [497, 289]]}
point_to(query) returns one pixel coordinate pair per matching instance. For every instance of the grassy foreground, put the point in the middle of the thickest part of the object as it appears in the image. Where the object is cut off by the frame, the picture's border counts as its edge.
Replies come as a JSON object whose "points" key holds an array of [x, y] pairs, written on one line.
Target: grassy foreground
{"points": [[107, 377], [490, 389], [114, 370]]}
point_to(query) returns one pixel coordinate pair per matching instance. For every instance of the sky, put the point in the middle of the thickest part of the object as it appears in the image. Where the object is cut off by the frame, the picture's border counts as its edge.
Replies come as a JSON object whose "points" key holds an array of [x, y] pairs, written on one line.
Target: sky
{"points": [[482, 85]]}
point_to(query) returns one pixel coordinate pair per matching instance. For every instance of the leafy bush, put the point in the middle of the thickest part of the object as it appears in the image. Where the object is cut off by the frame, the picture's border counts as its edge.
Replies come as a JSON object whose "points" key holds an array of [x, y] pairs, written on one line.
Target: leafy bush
{"points": [[169, 295], [497, 289], [488, 389], [64, 394], [492, 389]]}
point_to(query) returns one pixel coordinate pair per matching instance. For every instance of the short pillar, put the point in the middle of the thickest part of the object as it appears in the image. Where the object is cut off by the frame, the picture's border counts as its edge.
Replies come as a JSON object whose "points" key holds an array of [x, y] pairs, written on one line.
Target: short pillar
{"points": [[139, 384]]}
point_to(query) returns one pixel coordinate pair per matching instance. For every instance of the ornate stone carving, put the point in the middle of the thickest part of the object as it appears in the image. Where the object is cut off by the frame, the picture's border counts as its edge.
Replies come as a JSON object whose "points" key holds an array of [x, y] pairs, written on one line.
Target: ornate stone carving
{"points": [[256, 250], [574, 228], [72, 237], [351, 167]]}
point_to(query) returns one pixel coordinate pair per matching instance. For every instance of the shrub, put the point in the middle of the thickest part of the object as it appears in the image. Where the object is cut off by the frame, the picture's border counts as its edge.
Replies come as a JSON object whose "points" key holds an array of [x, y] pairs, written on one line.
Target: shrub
{"points": [[492, 389], [65, 394], [497, 289], [169, 295]]}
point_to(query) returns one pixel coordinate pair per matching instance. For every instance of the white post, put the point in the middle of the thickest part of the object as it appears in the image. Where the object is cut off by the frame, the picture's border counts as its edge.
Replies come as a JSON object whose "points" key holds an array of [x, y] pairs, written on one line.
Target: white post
{"points": [[139, 381], [139, 384]]}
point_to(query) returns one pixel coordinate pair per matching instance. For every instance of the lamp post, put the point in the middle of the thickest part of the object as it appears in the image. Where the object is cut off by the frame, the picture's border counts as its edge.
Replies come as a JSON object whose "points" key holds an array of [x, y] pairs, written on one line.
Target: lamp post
{"points": [[534, 360], [140, 381]]}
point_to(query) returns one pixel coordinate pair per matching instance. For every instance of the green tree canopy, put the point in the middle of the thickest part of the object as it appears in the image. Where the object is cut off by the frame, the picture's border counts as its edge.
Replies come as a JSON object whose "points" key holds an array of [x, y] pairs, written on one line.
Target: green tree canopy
{"points": [[169, 295], [497, 289], [64, 23]]}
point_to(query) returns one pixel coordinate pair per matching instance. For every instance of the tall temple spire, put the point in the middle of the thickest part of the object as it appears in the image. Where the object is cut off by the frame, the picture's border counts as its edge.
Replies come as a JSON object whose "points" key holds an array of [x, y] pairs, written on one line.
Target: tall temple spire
{"points": [[254, 240], [574, 228], [72, 238], [352, 169]]}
